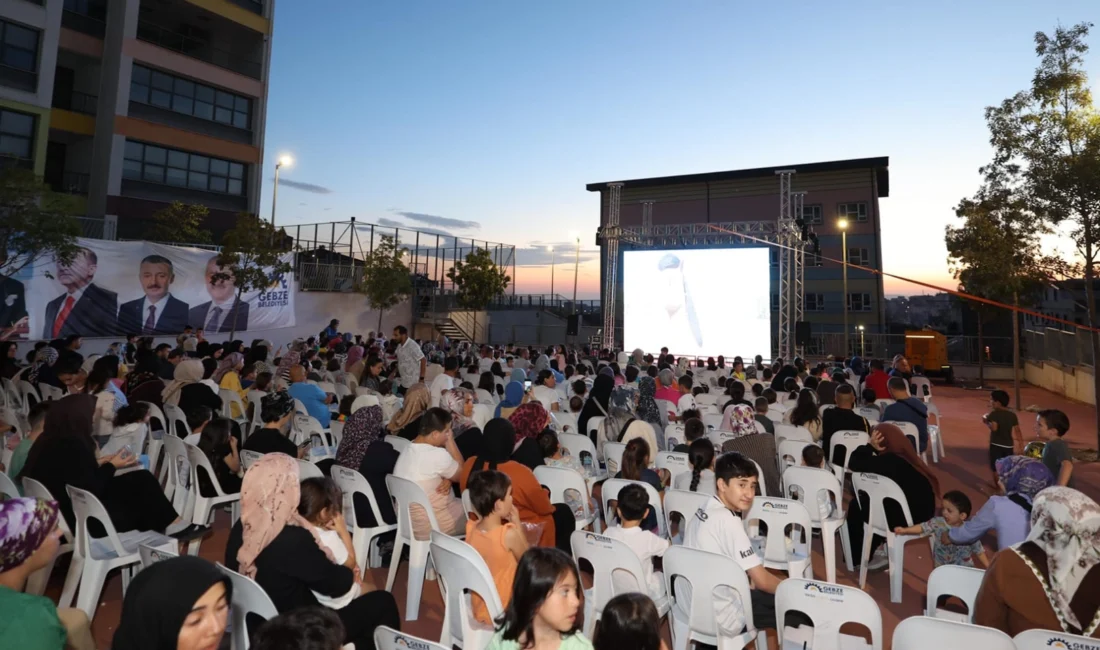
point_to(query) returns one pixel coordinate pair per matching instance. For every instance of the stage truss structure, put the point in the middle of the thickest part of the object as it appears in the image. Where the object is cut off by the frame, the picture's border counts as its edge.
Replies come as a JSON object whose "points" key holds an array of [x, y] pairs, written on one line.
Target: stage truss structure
{"points": [[785, 232]]}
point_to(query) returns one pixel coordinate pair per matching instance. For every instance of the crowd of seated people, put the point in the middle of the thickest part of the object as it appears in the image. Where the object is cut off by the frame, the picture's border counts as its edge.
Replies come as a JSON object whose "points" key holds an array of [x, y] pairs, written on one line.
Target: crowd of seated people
{"points": [[482, 420]]}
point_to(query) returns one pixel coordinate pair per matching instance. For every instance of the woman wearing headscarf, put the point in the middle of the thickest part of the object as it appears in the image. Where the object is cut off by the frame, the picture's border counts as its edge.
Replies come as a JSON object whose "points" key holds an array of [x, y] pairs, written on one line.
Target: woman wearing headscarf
{"points": [[228, 377], [355, 364], [292, 358], [514, 396], [276, 547], [1019, 478], [739, 420], [459, 402], [637, 358], [598, 402], [365, 449], [29, 539], [647, 409], [41, 369], [143, 384], [779, 381], [529, 420], [65, 454], [1051, 580], [406, 421], [180, 603], [8, 366], [497, 445], [890, 454], [187, 373]]}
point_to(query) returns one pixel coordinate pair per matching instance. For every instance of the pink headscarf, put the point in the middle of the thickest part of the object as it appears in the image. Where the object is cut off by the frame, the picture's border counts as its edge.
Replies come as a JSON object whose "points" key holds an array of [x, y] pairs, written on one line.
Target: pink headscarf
{"points": [[355, 354], [269, 502]]}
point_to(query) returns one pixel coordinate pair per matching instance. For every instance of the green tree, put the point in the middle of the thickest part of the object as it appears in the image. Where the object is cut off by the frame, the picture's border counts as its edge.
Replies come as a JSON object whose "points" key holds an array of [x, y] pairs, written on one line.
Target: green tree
{"points": [[251, 258], [477, 281], [181, 223], [35, 223], [386, 280], [1050, 135]]}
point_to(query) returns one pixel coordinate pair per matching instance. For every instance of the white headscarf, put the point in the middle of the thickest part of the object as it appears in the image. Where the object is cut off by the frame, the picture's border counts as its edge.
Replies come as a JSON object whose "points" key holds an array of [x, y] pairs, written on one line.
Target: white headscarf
{"points": [[364, 401], [1065, 524]]}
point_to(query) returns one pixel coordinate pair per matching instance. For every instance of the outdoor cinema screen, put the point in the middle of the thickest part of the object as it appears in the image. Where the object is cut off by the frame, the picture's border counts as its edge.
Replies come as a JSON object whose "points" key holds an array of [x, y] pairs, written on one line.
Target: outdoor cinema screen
{"points": [[698, 302]]}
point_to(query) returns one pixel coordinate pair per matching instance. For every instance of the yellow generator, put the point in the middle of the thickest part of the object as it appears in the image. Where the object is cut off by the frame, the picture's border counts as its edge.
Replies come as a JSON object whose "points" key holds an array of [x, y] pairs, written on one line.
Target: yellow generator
{"points": [[928, 349]]}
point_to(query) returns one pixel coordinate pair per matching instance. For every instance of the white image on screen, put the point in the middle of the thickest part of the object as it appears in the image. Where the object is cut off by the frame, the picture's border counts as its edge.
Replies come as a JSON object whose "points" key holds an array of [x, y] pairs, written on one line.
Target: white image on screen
{"points": [[702, 302]]}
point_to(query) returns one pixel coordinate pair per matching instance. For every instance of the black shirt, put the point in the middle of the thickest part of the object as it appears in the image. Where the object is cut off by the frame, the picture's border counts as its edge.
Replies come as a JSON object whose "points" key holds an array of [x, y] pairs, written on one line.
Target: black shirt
{"points": [[271, 441], [291, 568], [838, 419], [917, 488], [196, 394]]}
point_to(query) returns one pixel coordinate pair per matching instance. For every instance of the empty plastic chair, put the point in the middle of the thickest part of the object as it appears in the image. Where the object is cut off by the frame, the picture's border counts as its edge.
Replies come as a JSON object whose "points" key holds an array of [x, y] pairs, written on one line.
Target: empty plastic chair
{"points": [[462, 569], [387, 638], [151, 555], [962, 582], [1045, 640], [405, 493], [922, 632], [36, 584], [828, 606]]}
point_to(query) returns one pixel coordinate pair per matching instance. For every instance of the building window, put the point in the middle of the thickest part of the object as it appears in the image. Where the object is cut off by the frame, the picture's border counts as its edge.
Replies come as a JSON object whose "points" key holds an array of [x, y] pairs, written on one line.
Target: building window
{"points": [[148, 86], [16, 135], [815, 302], [859, 302], [153, 164], [860, 256], [18, 56], [811, 214], [852, 211]]}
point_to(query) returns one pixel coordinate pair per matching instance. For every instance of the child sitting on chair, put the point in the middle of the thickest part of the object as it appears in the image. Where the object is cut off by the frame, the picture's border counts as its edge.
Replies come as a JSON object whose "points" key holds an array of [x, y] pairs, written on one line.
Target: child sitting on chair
{"points": [[496, 534], [813, 456], [321, 505], [956, 510], [632, 508]]}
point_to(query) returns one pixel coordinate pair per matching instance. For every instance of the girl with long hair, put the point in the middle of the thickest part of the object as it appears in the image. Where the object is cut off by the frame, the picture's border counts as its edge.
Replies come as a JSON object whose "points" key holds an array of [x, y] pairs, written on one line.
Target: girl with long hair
{"points": [[701, 479], [805, 413], [545, 605]]}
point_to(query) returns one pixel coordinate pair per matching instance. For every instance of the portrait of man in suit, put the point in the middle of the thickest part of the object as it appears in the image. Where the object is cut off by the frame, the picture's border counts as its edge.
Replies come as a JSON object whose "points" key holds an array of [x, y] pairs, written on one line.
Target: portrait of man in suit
{"points": [[13, 307], [84, 309], [159, 312], [223, 313]]}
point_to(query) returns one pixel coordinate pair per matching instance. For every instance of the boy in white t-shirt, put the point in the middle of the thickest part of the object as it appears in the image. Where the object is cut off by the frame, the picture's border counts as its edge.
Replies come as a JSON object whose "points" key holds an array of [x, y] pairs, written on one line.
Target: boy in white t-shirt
{"points": [[633, 506], [718, 528], [687, 400], [433, 462]]}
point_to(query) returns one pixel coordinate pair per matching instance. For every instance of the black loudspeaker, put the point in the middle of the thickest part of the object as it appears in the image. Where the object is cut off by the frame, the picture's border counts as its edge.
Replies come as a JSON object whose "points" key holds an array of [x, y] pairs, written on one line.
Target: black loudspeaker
{"points": [[802, 333], [573, 327]]}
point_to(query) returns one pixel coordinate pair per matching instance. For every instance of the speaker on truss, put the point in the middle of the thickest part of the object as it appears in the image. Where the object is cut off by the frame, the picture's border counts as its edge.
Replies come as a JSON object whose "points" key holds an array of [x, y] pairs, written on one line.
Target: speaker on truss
{"points": [[802, 333], [573, 326]]}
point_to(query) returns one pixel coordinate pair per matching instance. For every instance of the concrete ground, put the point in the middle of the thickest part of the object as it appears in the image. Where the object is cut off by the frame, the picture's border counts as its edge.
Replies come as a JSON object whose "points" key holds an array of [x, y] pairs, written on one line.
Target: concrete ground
{"points": [[965, 468]]}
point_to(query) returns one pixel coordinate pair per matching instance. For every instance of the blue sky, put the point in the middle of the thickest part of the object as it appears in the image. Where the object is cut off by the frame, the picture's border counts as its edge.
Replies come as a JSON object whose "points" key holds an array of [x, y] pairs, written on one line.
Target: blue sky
{"points": [[498, 113]]}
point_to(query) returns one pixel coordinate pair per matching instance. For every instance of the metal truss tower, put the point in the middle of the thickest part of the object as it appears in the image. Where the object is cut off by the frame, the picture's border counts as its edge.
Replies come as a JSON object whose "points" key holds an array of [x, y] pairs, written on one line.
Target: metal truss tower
{"points": [[785, 227], [611, 235], [798, 270]]}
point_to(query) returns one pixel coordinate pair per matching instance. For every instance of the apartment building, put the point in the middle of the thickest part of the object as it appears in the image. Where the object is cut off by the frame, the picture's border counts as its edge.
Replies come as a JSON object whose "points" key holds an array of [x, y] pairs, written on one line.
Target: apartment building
{"points": [[133, 104]]}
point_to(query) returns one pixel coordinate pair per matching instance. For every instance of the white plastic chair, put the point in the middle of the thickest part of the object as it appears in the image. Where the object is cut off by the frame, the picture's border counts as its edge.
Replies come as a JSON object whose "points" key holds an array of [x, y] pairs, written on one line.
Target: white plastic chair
{"points": [[151, 555], [178, 487], [910, 431], [807, 483], [719, 438], [880, 488], [255, 398], [405, 493], [921, 388], [693, 619], [789, 453], [684, 503], [229, 398], [608, 558], [248, 457], [248, 598], [306, 469], [10, 394], [204, 506], [849, 440], [921, 632], [578, 444], [567, 422], [559, 479], [706, 399], [871, 413], [883, 403], [675, 462], [791, 432], [8, 487], [98, 557], [36, 583], [26, 393], [50, 393], [674, 434], [962, 582], [825, 407], [665, 406], [481, 415], [829, 606], [713, 421], [1046, 639], [176, 416], [398, 443], [463, 572], [761, 484], [363, 539], [610, 492], [593, 427], [613, 457], [304, 427], [780, 549], [387, 638], [935, 432]]}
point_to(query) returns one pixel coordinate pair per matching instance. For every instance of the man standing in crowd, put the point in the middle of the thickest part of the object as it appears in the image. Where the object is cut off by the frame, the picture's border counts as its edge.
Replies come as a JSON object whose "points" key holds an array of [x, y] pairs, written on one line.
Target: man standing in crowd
{"points": [[84, 308], [223, 313], [411, 364], [159, 312]]}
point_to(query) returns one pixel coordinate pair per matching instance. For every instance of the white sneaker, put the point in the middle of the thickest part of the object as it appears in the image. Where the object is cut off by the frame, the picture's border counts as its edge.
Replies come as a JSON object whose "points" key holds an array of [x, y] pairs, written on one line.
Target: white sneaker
{"points": [[880, 560]]}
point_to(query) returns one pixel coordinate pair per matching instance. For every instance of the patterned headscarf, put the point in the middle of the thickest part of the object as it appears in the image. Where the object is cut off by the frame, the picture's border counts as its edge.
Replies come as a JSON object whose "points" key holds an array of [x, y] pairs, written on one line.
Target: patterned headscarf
{"points": [[454, 400], [292, 358], [529, 420], [1024, 476], [355, 354], [46, 356], [362, 430], [187, 372], [24, 525], [227, 364], [269, 503], [622, 398], [647, 409], [739, 419], [417, 400], [1065, 524]]}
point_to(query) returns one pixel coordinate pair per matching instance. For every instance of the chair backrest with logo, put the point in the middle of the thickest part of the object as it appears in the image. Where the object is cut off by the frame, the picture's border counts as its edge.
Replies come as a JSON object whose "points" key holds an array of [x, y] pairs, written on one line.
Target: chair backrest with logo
{"points": [[828, 606]]}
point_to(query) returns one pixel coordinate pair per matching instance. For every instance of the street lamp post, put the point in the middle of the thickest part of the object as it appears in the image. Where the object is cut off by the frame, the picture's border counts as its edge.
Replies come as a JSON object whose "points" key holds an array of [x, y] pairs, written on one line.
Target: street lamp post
{"points": [[576, 267], [283, 160], [843, 225], [862, 350], [551, 275]]}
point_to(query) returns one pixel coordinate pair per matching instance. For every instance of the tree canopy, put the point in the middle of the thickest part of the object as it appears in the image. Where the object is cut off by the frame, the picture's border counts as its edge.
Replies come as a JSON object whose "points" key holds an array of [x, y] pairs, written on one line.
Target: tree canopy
{"points": [[181, 223], [251, 257], [386, 280], [35, 223]]}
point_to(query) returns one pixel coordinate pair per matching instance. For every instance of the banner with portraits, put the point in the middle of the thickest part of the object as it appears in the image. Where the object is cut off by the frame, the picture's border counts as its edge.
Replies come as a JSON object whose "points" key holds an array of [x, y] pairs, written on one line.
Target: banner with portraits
{"points": [[114, 288]]}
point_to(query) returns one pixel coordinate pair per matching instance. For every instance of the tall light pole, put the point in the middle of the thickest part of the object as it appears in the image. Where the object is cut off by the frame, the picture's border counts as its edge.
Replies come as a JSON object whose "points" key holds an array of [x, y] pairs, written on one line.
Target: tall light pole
{"points": [[862, 350], [283, 160], [842, 223], [576, 267], [551, 274]]}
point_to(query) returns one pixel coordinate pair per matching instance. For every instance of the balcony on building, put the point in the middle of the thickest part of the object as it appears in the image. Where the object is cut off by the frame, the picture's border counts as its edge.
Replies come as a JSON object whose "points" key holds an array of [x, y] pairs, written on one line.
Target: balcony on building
{"points": [[255, 6], [190, 105], [86, 16], [185, 28], [76, 83]]}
